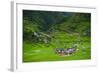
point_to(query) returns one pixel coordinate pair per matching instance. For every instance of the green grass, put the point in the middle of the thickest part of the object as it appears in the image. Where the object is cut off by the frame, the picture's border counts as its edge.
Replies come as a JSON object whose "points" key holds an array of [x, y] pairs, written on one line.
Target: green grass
{"points": [[36, 52]]}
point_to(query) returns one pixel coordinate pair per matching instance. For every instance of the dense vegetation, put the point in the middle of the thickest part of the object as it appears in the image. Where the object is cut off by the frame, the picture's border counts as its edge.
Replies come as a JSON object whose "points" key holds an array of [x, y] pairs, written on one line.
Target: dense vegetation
{"points": [[44, 31]]}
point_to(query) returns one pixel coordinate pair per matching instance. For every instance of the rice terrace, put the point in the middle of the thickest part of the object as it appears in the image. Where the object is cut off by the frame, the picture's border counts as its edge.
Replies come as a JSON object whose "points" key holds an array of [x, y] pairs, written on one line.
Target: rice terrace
{"points": [[56, 36]]}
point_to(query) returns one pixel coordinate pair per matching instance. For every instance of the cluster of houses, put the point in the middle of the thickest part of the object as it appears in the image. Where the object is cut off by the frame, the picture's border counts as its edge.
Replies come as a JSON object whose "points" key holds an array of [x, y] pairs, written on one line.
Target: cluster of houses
{"points": [[66, 52]]}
